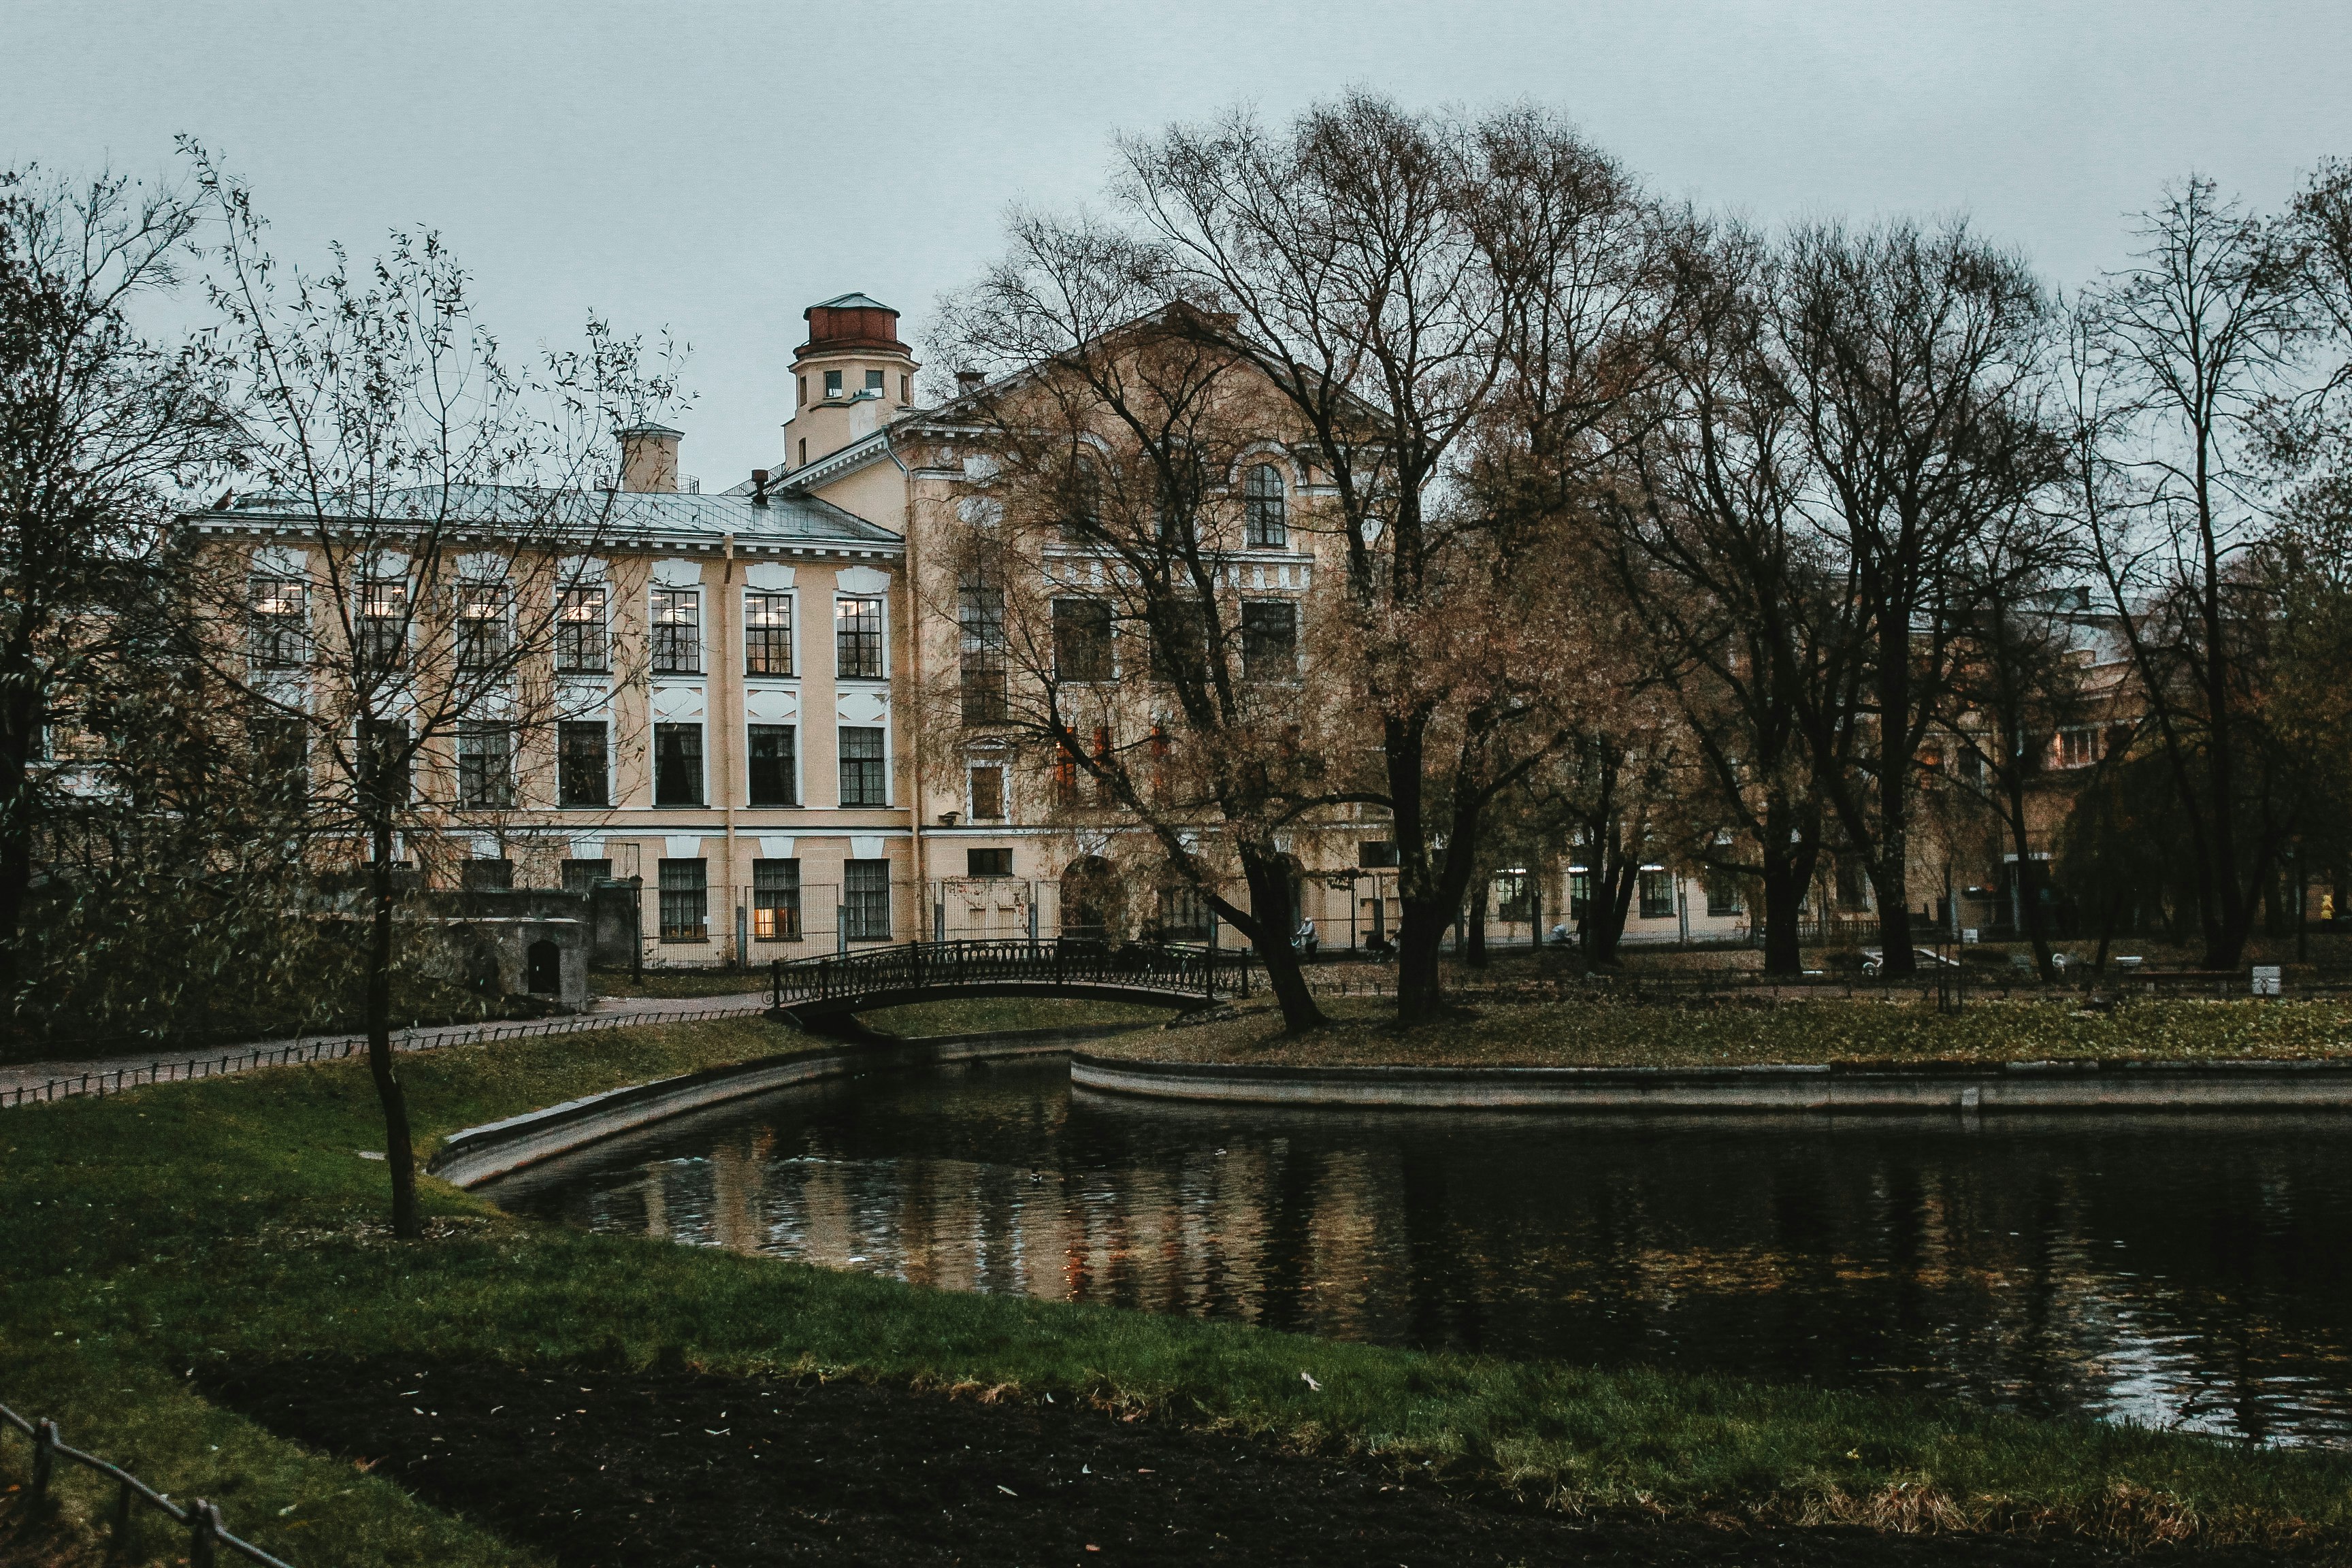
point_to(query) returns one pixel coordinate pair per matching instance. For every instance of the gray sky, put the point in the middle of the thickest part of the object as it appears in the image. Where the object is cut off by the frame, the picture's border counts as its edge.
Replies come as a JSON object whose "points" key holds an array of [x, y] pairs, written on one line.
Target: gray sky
{"points": [[717, 167]]}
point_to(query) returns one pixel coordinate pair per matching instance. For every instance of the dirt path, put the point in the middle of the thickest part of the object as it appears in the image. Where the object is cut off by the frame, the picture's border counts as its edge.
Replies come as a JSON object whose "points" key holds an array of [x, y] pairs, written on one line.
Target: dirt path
{"points": [[678, 1469]]}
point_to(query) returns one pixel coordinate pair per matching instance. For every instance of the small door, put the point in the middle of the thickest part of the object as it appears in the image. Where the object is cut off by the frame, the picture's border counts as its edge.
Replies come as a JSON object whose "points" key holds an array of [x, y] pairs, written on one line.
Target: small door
{"points": [[546, 961]]}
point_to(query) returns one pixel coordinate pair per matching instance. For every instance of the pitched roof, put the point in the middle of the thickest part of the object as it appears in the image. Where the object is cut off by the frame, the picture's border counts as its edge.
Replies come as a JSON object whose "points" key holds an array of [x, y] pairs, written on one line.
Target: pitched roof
{"points": [[850, 302], [610, 516]]}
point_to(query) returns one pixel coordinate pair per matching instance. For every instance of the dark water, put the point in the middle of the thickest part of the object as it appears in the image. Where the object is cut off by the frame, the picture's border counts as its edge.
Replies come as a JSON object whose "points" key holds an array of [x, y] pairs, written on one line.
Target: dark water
{"points": [[2187, 1272]]}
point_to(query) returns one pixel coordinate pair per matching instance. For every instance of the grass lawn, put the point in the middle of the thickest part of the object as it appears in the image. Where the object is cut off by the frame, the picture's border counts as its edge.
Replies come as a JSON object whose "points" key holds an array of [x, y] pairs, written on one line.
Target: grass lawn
{"points": [[153, 1233], [978, 1015], [678, 982], [1363, 1033]]}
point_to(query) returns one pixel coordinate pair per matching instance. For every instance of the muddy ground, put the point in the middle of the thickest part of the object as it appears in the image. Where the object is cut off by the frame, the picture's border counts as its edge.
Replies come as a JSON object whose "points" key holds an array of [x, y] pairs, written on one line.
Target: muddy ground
{"points": [[670, 1468]]}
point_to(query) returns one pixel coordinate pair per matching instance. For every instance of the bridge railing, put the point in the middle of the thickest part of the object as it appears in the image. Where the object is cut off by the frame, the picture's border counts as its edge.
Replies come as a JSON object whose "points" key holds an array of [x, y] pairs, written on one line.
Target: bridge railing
{"points": [[1067, 961]]}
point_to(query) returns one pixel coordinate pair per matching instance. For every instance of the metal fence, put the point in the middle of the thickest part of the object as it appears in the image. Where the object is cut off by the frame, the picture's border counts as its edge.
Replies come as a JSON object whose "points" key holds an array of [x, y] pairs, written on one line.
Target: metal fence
{"points": [[207, 1537], [1197, 971], [175, 1069]]}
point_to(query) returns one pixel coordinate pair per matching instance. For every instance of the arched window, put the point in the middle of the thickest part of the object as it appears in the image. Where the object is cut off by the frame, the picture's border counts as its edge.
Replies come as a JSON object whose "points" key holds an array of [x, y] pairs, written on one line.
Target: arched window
{"points": [[1264, 525]]}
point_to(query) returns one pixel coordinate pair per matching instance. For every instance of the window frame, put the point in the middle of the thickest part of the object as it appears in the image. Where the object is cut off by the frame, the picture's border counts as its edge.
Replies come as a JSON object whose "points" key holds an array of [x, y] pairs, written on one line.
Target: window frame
{"points": [[571, 634], [881, 634], [277, 630], [664, 893], [791, 638], [376, 630], [880, 761], [475, 791], [1266, 515], [1650, 907], [785, 889], [1003, 812], [1253, 641], [857, 917], [702, 765], [791, 782], [467, 625], [980, 645], [566, 764], [659, 647], [1105, 673]]}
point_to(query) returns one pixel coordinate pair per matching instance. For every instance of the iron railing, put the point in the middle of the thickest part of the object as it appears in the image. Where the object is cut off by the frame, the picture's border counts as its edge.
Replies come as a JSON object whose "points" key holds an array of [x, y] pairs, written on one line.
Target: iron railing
{"points": [[175, 1069], [207, 1537], [1198, 971]]}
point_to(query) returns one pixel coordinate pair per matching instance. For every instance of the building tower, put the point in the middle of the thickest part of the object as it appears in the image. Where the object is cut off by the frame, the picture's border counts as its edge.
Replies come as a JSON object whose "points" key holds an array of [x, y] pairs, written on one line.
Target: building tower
{"points": [[849, 379]]}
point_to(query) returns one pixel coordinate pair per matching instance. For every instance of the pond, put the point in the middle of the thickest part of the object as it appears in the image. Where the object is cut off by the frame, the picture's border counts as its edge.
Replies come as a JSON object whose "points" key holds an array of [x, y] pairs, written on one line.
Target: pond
{"points": [[2189, 1271]]}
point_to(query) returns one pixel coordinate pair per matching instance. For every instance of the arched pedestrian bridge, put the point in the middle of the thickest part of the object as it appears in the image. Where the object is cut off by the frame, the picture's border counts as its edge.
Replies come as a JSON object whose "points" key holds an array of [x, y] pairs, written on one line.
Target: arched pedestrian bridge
{"points": [[824, 993]]}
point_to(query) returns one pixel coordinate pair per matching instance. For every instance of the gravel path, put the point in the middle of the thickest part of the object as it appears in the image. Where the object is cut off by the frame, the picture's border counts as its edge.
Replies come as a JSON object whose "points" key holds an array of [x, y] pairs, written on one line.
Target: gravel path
{"points": [[32, 1082]]}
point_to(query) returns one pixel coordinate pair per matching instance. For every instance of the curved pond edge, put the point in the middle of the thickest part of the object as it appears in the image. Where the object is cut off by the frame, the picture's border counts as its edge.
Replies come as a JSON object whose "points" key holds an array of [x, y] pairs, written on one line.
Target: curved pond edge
{"points": [[1940, 1088], [473, 1155]]}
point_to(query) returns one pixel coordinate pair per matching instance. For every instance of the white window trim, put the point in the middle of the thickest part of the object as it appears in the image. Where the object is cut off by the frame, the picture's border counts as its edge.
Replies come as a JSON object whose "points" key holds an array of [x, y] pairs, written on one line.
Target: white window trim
{"points": [[889, 765], [862, 681], [800, 766], [653, 765], [702, 631], [793, 598]]}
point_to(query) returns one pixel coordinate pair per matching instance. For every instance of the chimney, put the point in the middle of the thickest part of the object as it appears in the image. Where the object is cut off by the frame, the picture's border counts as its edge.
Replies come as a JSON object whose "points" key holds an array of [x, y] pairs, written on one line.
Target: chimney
{"points": [[968, 382], [649, 460], [759, 486]]}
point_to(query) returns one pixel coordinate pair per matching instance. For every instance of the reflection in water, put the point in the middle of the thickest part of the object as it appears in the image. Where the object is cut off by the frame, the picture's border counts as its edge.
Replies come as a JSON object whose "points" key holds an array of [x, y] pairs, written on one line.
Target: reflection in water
{"points": [[2185, 1272]]}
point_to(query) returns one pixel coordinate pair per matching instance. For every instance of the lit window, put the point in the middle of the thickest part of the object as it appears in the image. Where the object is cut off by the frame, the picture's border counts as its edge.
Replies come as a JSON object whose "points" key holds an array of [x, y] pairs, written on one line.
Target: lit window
{"points": [[767, 634], [857, 639], [678, 631], [380, 628], [482, 641], [279, 637], [776, 900], [581, 646]]}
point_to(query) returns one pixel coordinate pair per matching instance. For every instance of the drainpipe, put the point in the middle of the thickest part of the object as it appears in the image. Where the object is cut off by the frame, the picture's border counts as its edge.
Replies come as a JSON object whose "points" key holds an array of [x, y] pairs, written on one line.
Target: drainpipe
{"points": [[737, 736], [918, 849]]}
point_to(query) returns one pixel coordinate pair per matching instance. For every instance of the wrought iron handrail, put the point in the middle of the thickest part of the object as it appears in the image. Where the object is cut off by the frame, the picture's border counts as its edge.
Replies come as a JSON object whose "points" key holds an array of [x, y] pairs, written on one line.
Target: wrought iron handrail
{"points": [[1181, 968], [207, 1537]]}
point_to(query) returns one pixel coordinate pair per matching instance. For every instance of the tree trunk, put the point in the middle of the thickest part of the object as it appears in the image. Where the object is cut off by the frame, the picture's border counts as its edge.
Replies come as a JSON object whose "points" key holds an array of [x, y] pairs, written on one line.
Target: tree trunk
{"points": [[16, 736], [1890, 878], [1477, 957], [1270, 924], [399, 1148], [1421, 934], [1787, 857], [2029, 893]]}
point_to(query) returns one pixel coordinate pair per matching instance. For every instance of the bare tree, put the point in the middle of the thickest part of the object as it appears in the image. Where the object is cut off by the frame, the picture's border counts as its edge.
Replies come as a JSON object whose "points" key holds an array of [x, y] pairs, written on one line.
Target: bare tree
{"points": [[1909, 360], [1107, 635], [406, 581], [98, 426], [1411, 286], [2181, 368]]}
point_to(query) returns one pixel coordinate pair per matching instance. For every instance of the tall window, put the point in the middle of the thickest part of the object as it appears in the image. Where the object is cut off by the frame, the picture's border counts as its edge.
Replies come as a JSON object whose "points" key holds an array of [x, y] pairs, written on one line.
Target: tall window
{"points": [[1657, 895], [857, 639], [1723, 893], [281, 756], [1269, 639], [980, 632], [776, 900], [1579, 894], [1180, 647], [482, 638], [1264, 525], [279, 637], [774, 765], [767, 634], [685, 900], [862, 779], [581, 645], [1183, 913], [678, 631], [1513, 896], [485, 766], [1082, 508], [1082, 648], [383, 764], [866, 895], [582, 769], [381, 627], [987, 793], [677, 764]]}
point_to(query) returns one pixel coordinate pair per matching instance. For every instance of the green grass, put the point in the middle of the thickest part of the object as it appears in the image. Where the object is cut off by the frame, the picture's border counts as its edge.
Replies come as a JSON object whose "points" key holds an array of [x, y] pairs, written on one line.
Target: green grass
{"points": [[149, 1232], [978, 1015], [678, 982], [1363, 1033]]}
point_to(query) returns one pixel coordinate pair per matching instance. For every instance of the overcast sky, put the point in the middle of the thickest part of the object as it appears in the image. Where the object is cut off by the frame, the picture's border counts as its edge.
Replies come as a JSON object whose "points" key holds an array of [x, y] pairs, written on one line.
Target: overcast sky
{"points": [[715, 168]]}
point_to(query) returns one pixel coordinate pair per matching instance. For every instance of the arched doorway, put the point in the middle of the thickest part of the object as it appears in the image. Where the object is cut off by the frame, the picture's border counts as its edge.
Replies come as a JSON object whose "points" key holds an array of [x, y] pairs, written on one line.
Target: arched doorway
{"points": [[1093, 907], [545, 961]]}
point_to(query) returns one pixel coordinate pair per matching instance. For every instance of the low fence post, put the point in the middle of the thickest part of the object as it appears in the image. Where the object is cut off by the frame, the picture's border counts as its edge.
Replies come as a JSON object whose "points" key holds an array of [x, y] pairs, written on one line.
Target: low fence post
{"points": [[45, 1457], [203, 1533]]}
